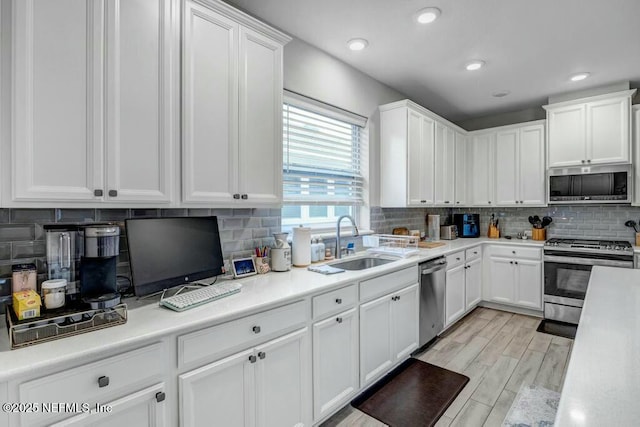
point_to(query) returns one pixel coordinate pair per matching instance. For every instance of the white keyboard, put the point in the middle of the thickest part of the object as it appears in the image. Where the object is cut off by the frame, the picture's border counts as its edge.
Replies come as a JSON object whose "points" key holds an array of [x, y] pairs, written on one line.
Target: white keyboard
{"points": [[200, 296]]}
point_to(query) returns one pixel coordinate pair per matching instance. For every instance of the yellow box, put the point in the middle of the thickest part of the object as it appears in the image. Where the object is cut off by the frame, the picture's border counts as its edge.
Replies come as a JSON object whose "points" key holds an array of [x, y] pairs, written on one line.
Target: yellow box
{"points": [[26, 304]]}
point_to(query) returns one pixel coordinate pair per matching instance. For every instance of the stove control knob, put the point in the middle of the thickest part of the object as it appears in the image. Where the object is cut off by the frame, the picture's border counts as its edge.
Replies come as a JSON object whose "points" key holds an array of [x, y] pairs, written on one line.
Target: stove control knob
{"points": [[608, 247], [617, 248]]}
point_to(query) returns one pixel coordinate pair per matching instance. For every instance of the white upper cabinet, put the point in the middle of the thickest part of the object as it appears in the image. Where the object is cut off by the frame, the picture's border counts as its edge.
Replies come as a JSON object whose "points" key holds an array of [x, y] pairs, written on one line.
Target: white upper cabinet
{"points": [[445, 165], [482, 176], [636, 153], [417, 157], [520, 170], [141, 99], [57, 80], [231, 108], [461, 173], [593, 130], [94, 116]]}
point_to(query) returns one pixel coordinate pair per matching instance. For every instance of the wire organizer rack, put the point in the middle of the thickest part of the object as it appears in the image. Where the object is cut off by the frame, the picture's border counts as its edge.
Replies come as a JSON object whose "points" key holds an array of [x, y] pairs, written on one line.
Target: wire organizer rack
{"points": [[389, 244], [23, 333]]}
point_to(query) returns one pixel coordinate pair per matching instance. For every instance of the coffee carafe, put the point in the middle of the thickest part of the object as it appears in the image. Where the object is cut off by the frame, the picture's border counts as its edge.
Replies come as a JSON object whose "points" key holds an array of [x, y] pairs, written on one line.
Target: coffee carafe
{"points": [[281, 253]]}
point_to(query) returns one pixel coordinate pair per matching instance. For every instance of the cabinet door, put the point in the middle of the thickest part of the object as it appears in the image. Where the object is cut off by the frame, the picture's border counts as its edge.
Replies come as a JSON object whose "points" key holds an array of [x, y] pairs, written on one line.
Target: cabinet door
{"points": [[473, 283], [404, 322], [335, 362], [222, 390], [482, 179], [507, 158], [283, 382], [260, 120], [57, 106], [444, 166], [532, 171], [608, 131], [375, 338], [209, 105], [529, 284], [421, 133], [461, 174], [141, 122], [501, 280], [567, 135], [143, 408], [636, 153], [454, 300]]}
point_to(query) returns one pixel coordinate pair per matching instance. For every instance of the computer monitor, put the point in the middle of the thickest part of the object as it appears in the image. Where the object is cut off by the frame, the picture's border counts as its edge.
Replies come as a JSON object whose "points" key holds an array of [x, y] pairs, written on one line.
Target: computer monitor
{"points": [[167, 252]]}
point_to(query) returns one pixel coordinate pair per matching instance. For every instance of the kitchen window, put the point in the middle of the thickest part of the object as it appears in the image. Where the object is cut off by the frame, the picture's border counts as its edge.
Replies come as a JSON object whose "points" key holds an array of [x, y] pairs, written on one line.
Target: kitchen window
{"points": [[322, 159]]}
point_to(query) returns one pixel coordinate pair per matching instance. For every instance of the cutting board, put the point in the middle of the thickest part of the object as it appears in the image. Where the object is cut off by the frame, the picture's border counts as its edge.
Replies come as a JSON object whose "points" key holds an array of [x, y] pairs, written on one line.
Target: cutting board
{"points": [[430, 245]]}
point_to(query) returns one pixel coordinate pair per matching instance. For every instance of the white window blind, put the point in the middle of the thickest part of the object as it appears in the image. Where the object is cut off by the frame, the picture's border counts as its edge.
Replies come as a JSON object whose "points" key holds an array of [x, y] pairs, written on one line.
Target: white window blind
{"points": [[321, 158]]}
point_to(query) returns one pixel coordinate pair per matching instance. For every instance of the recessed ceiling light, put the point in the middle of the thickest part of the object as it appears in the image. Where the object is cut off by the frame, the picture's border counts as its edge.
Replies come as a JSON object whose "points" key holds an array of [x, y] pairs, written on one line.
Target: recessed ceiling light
{"points": [[357, 44], [579, 76], [474, 65], [501, 93], [427, 15]]}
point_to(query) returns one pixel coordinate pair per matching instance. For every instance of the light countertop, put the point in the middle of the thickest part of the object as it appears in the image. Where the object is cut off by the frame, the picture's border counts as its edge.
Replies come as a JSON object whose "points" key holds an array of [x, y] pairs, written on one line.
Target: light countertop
{"points": [[602, 383], [259, 293]]}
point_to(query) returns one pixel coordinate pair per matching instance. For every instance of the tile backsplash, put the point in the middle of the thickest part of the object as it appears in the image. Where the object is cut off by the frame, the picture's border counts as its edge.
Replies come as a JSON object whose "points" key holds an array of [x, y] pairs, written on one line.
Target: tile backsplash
{"points": [[22, 238]]}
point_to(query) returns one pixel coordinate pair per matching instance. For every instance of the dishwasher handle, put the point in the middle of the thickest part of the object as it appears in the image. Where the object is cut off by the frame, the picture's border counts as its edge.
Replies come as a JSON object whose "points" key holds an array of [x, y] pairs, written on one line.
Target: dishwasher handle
{"points": [[441, 265]]}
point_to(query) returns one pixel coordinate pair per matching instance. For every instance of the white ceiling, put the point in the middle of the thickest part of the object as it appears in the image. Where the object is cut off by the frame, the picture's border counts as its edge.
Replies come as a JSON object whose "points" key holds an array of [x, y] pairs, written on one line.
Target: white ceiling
{"points": [[531, 47]]}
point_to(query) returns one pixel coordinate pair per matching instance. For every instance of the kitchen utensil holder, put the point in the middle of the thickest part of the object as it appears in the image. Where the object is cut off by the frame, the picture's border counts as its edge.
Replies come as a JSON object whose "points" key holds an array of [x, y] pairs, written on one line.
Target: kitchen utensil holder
{"points": [[50, 327], [539, 233], [637, 239], [494, 232]]}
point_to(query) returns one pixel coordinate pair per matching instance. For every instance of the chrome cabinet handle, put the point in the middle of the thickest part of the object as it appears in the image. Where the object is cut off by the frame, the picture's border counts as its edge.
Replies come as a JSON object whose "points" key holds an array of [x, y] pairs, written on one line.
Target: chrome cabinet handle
{"points": [[588, 161], [513, 252], [457, 259], [582, 161], [339, 319], [236, 196], [510, 262], [515, 262], [97, 193], [256, 329], [103, 381], [262, 355], [160, 396], [113, 193], [252, 359], [423, 201], [244, 197], [338, 300]]}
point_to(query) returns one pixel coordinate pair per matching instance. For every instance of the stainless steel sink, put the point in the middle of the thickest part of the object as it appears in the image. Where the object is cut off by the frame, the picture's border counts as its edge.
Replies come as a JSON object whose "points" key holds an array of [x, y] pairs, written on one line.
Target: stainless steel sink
{"points": [[361, 263]]}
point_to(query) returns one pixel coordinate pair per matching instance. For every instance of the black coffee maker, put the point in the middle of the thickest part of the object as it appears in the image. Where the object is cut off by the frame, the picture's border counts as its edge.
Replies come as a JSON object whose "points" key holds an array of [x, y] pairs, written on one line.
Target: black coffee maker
{"points": [[86, 255], [98, 265]]}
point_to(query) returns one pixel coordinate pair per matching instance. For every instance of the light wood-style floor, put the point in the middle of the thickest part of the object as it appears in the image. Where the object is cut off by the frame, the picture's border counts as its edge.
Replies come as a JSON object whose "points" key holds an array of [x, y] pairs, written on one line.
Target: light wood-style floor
{"points": [[499, 352]]}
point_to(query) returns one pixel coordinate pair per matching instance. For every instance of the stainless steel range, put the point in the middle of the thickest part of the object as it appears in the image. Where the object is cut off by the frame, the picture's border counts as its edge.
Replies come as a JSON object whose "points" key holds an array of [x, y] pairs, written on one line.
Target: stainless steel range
{"points": [[567, 268]]}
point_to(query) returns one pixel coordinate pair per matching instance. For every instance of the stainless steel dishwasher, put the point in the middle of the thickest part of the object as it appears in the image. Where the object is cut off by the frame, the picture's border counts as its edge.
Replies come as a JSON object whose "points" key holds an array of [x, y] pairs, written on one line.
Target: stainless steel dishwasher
{"points": [[432, 289]]}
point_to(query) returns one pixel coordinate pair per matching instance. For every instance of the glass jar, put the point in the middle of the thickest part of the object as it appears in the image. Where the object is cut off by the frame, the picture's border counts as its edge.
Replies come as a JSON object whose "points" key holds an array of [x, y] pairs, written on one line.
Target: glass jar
{"points": [[54, 292]]}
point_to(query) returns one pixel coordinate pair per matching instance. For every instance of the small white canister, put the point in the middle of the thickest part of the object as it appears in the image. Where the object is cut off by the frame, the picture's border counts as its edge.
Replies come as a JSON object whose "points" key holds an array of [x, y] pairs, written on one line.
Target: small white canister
{"points": [[301, 250], [54, 292]]}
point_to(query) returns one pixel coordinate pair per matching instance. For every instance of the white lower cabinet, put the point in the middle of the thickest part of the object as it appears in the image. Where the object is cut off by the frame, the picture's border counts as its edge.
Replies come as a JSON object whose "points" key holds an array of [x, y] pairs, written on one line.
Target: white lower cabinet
{"points": [[335, 362], [515, 281], [143, 408], [454, 295], [463, 288], [267, 385], [388, 331]]}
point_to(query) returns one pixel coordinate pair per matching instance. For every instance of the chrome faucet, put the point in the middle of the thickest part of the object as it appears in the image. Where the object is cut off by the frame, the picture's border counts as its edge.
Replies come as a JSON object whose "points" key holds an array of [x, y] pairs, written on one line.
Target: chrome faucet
{"points": [[355, 234]]}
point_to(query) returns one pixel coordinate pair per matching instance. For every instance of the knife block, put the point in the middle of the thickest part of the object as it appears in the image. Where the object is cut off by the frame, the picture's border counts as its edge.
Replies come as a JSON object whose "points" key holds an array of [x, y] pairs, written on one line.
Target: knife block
{"points": [[539, 234], [494, 232]]}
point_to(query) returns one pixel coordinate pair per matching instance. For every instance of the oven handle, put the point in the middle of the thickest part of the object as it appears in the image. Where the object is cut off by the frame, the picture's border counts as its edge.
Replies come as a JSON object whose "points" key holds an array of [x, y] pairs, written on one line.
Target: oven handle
{"points": [[588, 261]]}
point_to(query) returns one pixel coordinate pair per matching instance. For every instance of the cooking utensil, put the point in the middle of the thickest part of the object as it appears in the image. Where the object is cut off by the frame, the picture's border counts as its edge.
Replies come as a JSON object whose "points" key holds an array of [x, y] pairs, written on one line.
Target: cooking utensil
{"points": [[546, 221], [531, 220], [632, 224]]}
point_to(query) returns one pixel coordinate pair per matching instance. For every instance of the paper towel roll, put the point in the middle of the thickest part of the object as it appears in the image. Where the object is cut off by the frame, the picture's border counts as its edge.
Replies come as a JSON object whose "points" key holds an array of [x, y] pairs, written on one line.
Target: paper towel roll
{"points": [[301, 251], [434, 227]]}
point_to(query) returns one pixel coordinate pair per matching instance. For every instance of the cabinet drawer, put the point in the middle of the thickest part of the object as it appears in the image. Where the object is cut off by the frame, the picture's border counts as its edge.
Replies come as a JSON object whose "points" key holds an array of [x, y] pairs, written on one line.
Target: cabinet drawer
{"points": [[389, 282], [334, 301], [206, 344], [455, 259], [517, 252], [473, 253], [91, 383]]}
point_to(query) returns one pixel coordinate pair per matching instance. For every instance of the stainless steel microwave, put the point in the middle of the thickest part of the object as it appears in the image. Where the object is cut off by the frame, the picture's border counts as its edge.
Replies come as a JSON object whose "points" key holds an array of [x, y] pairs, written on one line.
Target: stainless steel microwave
{"points": [[590, 184]]}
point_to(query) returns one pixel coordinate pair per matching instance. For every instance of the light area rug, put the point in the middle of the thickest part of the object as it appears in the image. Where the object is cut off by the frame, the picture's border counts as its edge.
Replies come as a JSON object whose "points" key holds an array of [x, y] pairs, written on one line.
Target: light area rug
{"points": [[534, 406]]}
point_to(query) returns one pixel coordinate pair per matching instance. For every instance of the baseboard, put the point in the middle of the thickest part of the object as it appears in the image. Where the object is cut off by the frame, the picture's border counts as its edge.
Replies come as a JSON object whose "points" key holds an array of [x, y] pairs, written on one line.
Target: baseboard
{"points": [[512, 309]]}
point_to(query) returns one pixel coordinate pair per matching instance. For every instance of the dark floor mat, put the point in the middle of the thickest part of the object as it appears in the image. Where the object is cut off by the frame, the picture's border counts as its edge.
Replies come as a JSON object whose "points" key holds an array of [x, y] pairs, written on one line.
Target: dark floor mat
{"points": [[561, 329], [416, 393]]}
